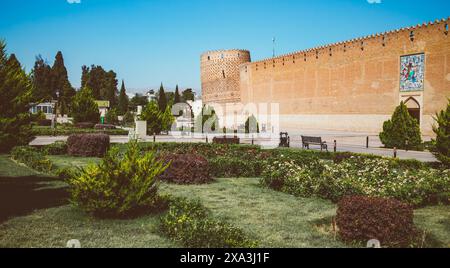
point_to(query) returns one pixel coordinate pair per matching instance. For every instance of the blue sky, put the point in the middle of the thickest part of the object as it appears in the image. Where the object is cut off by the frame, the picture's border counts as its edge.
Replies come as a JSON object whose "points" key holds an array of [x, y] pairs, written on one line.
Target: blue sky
{"points": [[152, 41]]}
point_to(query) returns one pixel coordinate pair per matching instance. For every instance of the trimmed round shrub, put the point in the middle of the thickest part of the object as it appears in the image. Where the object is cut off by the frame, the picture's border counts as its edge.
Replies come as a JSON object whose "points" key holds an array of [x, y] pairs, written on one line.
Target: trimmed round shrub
{"points": [[88, 145], [186, 169], [84, 125], [388, 220], [123, 185]]}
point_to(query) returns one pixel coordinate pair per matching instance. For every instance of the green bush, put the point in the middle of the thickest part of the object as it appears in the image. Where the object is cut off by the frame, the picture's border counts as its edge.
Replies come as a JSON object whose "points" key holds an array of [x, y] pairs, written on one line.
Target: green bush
{"points": [[191, 224], [359, 176], [67, 131], [234, 167], [84, 107], [31, 157], [401, 131], [442, 130], [112, 117], [122, 185], [56, 148]]}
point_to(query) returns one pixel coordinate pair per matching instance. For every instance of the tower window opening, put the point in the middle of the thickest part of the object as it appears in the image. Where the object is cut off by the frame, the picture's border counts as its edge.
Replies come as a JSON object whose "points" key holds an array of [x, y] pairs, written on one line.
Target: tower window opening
{"points": [[293, 59], [362, 45], [411, 36], [317, 54], [331, 54], [384, 40], [223, 73], [305, 56], [345, 47], [209, 57]]}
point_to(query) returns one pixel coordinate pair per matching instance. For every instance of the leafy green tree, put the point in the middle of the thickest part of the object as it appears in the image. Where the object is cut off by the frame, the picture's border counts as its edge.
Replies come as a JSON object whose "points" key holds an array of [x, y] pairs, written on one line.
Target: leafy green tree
{"points": [[138, 100], [61, 84], [157, 120], [84, 107], [442, 131], [207, 121], [187, 95], [15, 95], [42, 78], [251, 125], [103, 84], [162, 99], [402, 130], [177, 98], [122, 107], [112, 117]]}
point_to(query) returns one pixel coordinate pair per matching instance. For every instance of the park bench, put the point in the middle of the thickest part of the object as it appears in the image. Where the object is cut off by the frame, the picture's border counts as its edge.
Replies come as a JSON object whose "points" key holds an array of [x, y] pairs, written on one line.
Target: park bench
{"points": [[306, 140]]}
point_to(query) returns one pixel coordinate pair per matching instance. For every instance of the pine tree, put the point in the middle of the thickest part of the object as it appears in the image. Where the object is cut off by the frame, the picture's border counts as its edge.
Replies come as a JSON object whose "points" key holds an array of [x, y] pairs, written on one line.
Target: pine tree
{"points": [[442, 130], [84, 107], [402, 130], [15, 95], [177, 98], [251, 125], [157, 120], [123, 100], [162, 99], [207, 121]]}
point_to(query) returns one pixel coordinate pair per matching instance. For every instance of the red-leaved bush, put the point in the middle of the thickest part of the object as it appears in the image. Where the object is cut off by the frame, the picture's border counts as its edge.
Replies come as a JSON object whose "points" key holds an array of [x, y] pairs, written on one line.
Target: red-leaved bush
{"points": [[186, 169], [104, 126], [84, 125], [226, 140], [88, 145], [388, 220]]}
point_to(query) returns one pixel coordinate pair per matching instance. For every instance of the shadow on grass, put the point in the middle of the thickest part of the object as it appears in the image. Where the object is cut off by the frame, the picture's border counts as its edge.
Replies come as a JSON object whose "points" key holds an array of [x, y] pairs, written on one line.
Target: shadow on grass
{"points": [[22, 195]]}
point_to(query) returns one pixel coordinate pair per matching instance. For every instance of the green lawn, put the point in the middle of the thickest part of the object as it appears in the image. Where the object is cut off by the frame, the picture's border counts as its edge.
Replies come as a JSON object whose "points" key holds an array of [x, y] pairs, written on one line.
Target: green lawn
{"points": [[66, 161], [275, 219]]}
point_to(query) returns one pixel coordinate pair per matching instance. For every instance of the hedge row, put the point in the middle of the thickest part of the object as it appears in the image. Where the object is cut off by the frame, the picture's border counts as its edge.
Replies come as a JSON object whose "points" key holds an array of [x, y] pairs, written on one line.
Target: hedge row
{"points": [[32, 157], [66, 131]]}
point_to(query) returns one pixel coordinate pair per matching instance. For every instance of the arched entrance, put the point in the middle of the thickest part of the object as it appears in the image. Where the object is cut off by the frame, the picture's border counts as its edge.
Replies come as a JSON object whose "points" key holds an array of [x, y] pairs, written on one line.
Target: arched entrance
{"points": [[413, 108]]}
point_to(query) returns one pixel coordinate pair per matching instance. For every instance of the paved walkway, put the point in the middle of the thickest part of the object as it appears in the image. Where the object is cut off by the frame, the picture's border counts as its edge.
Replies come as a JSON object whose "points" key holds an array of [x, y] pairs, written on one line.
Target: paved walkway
{"points": [[346, 142]]}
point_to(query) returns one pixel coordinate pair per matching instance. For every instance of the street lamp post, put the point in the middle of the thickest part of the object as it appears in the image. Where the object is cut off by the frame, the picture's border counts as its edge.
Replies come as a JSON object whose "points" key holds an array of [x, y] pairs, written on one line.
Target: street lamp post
{"points": [[55, 112]]}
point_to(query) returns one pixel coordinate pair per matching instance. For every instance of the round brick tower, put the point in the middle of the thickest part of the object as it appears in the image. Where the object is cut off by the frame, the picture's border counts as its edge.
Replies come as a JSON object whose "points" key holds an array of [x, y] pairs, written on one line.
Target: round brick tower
{"points": [[220, 75]]}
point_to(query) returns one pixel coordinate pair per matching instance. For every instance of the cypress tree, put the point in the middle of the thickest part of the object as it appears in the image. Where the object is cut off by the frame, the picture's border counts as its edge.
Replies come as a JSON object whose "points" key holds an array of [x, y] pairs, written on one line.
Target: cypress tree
{"points": [[177, 98], [123, 100], [162, 100], [442, 130], [15, 94], [61, 84], [402, 130]]}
